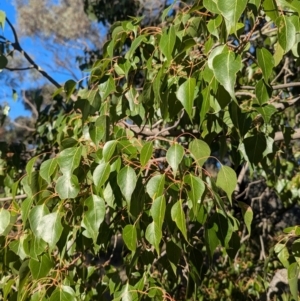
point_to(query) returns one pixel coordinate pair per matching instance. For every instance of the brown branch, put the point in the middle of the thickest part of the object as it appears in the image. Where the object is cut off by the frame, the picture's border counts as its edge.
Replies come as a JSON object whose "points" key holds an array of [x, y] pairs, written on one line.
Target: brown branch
{"points": [[10, 198], [275, 87]]}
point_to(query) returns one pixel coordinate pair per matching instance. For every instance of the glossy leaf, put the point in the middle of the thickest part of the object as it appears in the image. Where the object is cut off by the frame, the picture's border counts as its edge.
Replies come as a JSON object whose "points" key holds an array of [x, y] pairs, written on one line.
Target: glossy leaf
{"points": [[109, 149], [200, 151], [130, 237], [47, 169], [101, 174], [69, 159], [93, 217], [67, 187], [225, 67], [154, 235], [227, 180], [178, 217], [186, 95], [127, 181], [195, 190], [286, 33], [50, 228], [155, 186], [174, 156]]}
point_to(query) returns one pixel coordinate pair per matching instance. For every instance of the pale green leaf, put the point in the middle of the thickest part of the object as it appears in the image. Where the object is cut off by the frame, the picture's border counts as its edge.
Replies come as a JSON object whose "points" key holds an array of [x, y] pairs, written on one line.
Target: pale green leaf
{"points": [[50, 228], [154, 235], [130, 237], [271, 10], [293, 273], [47, 169], [186, 95], [127, 181], [227, 180], [195, 190], [69, 159], [174, 156], [266, 112], [107, 88], [67, 187], [101, 174], [178, 217], [2, 19], [146, 153], [4, 220], [94, 215], [109, 149], [262, 92], [155, 186], [35, 218], [200, 151], [60, 295]]}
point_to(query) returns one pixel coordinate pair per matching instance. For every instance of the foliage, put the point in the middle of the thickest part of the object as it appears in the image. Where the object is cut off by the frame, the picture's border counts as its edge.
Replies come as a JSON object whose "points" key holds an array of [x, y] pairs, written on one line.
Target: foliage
{"points": [[120, 202]]}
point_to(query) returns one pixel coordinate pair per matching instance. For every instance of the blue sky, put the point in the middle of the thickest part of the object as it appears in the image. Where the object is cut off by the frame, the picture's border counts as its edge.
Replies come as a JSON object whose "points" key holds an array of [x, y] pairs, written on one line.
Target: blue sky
{"points": [[29, 46]]}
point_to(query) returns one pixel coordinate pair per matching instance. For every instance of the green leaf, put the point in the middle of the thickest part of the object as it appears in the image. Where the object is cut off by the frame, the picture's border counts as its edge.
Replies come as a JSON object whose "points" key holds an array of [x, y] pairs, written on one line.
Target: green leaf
{"points": [[270, 8], [282, 254], [247, 214], [286, 33], [93, 217], [20, 247], [3, 61], [47, 169], [98, 130], [135, 44], [174, 156], [155, 186], [36, 216], [195, 190], [200, 151], [67, 187], [69, 159], [40, 269], [266, 62], [101, 174], [2, 19], [154, 235], [146, 153], [178, 217], [60, 294], [107, 88], [50, 228], [225, 66], [262, 92], [266, 112], [69, 87], [109, 149], [186, 95], [167, 42], [130, 237], [4, 220], [211, 239], [127, 181], [158, 210], [227, 180], [255, 147], [293, 272], [213, 25], [231, 11]]}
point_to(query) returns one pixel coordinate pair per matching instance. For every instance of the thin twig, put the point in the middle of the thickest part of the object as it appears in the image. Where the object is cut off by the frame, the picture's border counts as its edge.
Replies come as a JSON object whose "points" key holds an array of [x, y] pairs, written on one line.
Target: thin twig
{"points": [[10, 198]]}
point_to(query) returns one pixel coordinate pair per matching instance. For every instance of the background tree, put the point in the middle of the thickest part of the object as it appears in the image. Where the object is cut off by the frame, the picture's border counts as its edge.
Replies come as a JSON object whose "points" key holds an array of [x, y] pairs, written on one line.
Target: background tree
{"points": [[165, 175]]}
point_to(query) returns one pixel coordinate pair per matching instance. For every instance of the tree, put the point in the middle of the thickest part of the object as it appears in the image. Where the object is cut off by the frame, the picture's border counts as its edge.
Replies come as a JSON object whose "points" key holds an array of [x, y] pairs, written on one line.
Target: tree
{"points": [[154, 180]]}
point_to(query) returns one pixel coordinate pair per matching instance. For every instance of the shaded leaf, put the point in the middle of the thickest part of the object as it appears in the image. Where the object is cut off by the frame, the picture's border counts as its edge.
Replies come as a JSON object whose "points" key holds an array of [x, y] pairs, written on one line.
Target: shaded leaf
{"points": [[40, 269], [154, 235], [167, 42], [266, 62], [158, 210], [247, 214]]}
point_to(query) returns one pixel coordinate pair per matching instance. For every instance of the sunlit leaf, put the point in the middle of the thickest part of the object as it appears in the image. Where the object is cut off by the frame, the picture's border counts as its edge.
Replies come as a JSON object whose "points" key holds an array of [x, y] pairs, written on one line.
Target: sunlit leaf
{"points": [[178, 217], [127, 181], [227, 180], [146, 153], [67, 187], [174, 156], [158, 210], [266, 62], [155, 186], [47, 169], [4, 220], [101, 174], [130, 237], [200, 151], [154, 235]]}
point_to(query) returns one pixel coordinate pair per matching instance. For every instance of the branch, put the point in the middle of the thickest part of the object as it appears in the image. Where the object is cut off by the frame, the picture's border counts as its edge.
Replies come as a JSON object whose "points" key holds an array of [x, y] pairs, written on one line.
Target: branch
{"points": [[19, 69], [10, 198], [279, 135], [23, 126], [28, 102], [18, 47], [275, 87]]}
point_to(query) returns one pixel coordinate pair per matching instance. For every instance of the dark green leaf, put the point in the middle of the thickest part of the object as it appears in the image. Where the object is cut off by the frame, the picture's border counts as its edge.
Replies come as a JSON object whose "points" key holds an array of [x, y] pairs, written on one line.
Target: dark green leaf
{"points": [[178, 217], [158, 210], [146, 153], [266, 62], [130, 237], [154, 235], [40, 269]]}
